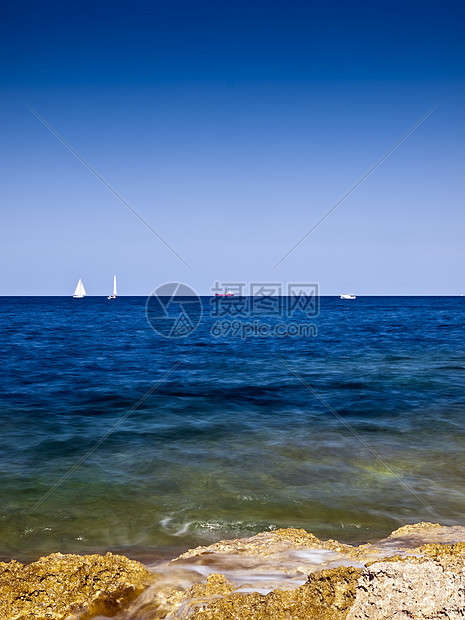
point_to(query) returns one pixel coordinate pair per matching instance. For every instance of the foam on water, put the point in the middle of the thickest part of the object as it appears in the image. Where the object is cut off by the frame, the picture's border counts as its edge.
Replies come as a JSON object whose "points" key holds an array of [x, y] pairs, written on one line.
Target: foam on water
{"points": [[249, 570]]}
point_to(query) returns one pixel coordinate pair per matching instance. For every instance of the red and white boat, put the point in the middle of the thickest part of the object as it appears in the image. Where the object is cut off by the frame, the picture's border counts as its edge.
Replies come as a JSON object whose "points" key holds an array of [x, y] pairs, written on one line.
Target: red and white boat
{"points": [[227, 294]]}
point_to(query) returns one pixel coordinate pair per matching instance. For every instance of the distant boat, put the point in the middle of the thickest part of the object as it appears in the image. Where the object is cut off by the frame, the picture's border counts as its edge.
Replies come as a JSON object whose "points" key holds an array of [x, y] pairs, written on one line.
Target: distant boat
{"points": [[228, 294], [113, 295], [348, 296], [80, 291]]}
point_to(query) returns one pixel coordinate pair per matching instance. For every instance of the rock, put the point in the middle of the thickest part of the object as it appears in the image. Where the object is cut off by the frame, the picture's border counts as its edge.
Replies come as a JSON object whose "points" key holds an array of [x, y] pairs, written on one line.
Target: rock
{"points": [[268, 543], [397, 589], [160, 601], [416, 573], [409, 588], [427, 585], [59, 586], [327, 595], [438, 550]]}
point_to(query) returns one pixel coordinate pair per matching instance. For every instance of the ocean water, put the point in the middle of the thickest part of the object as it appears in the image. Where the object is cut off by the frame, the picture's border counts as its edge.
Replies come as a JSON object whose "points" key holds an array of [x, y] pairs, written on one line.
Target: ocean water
{"points": [[115, 438]]}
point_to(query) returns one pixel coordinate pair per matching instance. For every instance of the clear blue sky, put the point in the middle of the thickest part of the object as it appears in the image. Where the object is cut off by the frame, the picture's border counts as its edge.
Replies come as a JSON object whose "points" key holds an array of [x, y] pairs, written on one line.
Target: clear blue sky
{"points": [[231, 128]]}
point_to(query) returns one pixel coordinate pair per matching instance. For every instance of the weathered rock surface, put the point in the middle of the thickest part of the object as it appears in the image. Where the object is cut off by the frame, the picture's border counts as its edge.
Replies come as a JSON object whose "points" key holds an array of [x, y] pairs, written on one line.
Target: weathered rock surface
{"points": [[417, 534], [424, 580], [268, 543], [327, 595], [417, 573], [399, 589], [63, 586], [411, 588]]}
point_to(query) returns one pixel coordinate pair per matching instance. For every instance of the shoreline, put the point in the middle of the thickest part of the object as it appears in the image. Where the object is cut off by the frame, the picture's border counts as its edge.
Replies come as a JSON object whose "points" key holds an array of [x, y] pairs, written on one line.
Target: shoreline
{"points": [[287, 566]]}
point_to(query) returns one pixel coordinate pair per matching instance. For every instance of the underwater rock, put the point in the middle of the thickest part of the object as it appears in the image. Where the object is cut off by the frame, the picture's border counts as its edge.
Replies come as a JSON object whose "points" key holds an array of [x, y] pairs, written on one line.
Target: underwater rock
{"points": [[62, 586]]}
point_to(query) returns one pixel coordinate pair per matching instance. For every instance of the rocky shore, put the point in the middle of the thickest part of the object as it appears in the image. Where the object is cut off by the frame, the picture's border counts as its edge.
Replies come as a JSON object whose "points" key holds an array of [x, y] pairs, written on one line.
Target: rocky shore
{"points": [[418, 572]]}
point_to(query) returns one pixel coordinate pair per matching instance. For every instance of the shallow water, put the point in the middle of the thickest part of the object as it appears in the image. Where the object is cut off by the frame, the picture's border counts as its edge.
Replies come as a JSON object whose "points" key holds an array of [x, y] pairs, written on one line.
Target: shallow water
{"points": [[231, 442]]}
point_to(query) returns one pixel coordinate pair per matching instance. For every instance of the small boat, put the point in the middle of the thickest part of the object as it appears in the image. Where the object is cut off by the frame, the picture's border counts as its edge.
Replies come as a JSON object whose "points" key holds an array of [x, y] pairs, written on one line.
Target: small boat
{"points": [[80, 291], [348, 296], [227, 294], [113, 295]]}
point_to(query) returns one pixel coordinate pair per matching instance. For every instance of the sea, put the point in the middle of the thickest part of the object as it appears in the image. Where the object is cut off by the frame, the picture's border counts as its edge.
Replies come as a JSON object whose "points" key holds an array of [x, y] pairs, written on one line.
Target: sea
{"points": [[118, 434]]}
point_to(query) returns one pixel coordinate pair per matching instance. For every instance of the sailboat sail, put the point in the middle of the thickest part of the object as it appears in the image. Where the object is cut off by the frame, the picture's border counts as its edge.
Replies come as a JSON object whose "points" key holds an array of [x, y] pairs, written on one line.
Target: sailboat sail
{"points": [[80, 290], [113, 295]]}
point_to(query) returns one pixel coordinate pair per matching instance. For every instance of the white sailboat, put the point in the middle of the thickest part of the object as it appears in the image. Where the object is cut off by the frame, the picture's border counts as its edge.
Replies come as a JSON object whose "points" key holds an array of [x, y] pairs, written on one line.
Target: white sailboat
{"points": [[80, 291], [113, 295]]}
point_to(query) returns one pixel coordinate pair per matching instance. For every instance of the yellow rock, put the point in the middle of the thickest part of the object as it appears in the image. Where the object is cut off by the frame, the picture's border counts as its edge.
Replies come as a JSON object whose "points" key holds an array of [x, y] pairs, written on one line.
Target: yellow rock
{"points": [[58, 586], [327, 595]]}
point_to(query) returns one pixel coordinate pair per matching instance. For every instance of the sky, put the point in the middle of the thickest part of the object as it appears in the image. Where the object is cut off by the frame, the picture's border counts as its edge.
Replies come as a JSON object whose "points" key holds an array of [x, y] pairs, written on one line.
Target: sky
{"points": [[231, 128]]}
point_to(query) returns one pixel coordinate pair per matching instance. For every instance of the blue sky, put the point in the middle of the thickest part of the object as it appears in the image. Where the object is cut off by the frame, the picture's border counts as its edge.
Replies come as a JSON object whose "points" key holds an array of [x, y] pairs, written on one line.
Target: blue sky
{"points": [[232, 128]]}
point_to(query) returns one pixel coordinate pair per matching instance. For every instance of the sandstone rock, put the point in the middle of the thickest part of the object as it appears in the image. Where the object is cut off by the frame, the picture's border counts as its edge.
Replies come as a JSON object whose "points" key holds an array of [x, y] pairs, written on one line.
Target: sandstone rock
{"points": [[417, 534], [396, 589], [59, 586], [327, 595], [429, 585], [160, 601], [417, 573], [407, 588], [267, 543]]}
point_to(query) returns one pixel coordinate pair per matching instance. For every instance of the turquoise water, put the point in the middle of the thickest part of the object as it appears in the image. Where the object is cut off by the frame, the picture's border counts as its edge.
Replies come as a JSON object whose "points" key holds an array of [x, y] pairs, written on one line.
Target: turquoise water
{"points": [[368, 435]]}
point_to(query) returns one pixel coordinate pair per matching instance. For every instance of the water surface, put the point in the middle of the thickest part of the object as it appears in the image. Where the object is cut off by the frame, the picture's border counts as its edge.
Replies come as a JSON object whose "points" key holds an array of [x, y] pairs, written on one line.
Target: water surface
{"points": [[231, 442]]}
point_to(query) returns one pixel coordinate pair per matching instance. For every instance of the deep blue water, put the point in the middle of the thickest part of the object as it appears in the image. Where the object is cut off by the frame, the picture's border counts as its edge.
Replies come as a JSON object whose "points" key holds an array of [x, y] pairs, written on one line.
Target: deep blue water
{"points": [[348, 433]]}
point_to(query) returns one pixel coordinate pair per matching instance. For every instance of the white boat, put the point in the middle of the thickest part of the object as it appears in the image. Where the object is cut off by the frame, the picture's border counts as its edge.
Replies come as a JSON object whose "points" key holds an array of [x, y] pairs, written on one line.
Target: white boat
{"points": [[348, 296], [113, 295], [227, 294], [80, 291]]}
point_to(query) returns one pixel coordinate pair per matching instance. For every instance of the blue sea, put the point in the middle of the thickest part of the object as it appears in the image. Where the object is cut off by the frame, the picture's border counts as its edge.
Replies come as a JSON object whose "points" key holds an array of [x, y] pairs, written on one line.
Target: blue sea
{"points": [[114, 437]]}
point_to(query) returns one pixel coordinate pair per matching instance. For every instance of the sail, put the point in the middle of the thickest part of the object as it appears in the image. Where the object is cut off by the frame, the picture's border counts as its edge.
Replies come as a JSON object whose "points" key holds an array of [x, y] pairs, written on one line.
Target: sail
{"points": [[80, 290], [114, 286]]}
